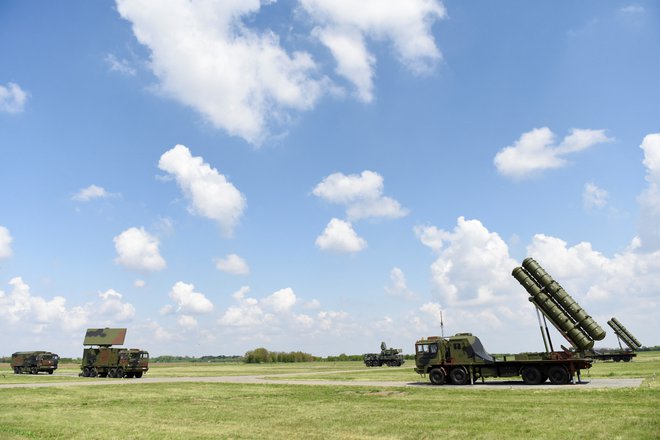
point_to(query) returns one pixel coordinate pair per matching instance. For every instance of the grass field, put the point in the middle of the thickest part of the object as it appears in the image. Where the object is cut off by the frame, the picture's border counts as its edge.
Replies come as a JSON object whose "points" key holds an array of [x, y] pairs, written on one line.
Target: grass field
{"points": [[217, 410]]}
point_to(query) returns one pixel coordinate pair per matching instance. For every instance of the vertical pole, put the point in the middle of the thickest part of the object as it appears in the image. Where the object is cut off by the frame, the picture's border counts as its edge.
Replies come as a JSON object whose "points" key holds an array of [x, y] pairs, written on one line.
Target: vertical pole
{"points": [[548, 333], [442, 326], [619, 340], [545, 342]]}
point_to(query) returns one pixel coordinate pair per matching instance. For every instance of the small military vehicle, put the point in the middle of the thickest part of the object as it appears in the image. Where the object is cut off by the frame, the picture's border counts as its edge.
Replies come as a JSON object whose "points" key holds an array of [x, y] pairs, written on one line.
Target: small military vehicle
{"points": [[34, 362], [462, 359], [102, 360], [387, 356]]}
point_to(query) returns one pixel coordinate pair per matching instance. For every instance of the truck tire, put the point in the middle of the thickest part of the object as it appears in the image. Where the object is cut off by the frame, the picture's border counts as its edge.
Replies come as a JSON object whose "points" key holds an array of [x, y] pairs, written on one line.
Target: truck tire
{"points": [[138, 374], [112, 372], [93, 372], [531, 375], [86, 372], [437, 376], [458, 376], [558, 375], [35, 370], [50, 371], [17, 370], [120, 373]]}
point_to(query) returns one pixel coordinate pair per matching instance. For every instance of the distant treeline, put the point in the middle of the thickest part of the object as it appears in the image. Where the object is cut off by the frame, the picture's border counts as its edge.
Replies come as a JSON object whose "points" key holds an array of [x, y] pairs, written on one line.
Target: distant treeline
{"points": [[206, 359], [262, 356]]}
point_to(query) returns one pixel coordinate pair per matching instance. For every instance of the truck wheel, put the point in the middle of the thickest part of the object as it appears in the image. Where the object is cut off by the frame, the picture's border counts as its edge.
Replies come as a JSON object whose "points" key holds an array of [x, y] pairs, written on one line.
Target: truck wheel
{"points": [[458, 376], [531, 375], [437, 376], [50, 371], [626, 359], [86, 372], [93, 372], [558, 375], [35, 370], [138, 374], [17, 370], [112, 372], [120, 373]]}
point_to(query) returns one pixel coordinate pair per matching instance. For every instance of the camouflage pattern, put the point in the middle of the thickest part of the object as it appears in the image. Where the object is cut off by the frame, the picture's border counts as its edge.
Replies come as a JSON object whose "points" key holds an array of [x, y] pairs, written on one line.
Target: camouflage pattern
{"points": [[461, 359], [34, 362], [106, 361], [114, 362], [105, 337], [387, 356]]}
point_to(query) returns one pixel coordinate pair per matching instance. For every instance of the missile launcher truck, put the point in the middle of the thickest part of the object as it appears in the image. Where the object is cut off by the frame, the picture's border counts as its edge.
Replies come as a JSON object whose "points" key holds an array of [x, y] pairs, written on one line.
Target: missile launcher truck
{"points": [[34, 362], [623, 354], [462, 359], [102, 360], [387, 356]]}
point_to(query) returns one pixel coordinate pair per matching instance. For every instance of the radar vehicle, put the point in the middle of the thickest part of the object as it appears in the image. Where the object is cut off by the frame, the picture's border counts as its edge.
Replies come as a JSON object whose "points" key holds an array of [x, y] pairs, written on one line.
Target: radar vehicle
{"points": [[102, 360]]}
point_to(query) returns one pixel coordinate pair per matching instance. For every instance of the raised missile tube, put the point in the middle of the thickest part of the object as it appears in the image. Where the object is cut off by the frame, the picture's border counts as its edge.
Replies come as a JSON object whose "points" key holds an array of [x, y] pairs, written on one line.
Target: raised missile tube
{"points": [[624, 334], [557, 292], [562, 321]]}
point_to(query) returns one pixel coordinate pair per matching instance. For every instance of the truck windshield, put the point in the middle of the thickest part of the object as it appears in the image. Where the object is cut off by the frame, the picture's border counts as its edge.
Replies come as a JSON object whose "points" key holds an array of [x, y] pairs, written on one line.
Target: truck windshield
{"points": [[427, 348]]}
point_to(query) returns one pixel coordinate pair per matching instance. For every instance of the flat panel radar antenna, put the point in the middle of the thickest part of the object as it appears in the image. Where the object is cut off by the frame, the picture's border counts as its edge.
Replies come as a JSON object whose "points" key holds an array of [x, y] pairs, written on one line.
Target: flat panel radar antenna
{"points": [[105, 337], [624, 335], [571, 320]]}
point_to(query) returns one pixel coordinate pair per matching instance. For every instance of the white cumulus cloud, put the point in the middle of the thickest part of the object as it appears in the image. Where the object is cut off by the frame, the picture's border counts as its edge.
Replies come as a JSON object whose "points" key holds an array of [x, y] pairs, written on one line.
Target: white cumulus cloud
{"points": [[536, 151], [112, 306], [339, 236], [92, 192], [593, 196], [398, 286], [281, 301], [344, 27], [188, 301], [473, 265], [649, 200], [362, 194], [138, 250], [210, 193], [206, 57], [188, 322], [233, 264], [5, 242], [12, 98]]}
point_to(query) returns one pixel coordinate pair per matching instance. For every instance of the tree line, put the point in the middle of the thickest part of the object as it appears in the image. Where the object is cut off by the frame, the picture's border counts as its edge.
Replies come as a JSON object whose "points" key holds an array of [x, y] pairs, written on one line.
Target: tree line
{"points": [[262, 356]]}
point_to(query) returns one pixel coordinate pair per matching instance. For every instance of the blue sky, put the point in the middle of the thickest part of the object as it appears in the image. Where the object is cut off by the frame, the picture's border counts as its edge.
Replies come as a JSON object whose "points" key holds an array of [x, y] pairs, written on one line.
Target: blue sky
{"points": [[315, 175]]}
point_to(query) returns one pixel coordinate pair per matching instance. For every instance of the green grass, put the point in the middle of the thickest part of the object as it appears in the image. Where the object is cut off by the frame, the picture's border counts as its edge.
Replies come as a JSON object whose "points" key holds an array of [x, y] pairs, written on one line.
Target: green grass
{"points": [[199, 410], [246, 411]]}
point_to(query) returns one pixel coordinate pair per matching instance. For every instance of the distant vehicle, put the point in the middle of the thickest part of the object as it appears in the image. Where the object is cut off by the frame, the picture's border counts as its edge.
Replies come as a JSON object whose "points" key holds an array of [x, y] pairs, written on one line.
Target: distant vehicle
{"points": [[34, 362], [102, 360], [623, 354], [387, 356]]}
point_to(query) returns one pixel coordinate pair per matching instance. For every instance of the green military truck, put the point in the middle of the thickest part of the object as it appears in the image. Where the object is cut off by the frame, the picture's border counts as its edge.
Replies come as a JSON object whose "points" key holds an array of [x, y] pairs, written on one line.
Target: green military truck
{"points": [[100, 359], [462, 359], [34, 362]]}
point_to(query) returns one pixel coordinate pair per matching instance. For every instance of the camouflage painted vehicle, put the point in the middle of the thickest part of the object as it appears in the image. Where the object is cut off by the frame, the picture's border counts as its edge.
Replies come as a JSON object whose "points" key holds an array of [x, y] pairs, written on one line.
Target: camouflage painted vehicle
{"points": [[387, 356], [102, 360], [114, 362], [34, 362], [461, 359]]}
